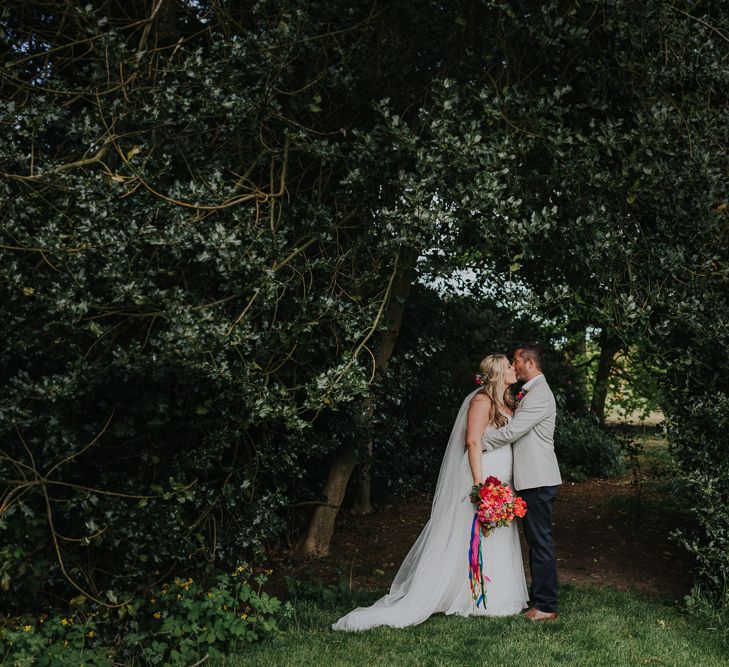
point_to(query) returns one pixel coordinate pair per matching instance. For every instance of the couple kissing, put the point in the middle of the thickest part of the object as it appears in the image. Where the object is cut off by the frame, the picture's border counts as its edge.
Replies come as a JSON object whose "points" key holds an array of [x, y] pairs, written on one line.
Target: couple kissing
{"points": [[498, 438]]}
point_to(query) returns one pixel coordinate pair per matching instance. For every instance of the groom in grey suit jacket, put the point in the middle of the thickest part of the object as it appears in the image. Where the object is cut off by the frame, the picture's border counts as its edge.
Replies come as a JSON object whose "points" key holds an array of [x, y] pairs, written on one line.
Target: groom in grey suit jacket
{"points": [[536, 474]]}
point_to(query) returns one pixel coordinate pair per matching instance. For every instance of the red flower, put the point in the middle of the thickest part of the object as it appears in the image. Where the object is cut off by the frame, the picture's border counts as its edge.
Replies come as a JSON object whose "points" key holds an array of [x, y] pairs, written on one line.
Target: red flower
{"points": [[520, 506]]}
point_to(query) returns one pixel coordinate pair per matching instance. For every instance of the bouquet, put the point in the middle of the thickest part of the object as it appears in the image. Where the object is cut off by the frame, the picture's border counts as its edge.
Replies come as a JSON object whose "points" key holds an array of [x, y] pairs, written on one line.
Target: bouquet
{"points": [[496, 505]]}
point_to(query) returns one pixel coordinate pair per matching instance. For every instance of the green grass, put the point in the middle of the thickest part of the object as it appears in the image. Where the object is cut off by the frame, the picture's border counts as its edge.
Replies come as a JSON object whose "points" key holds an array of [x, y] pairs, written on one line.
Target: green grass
{"points": [[596, 627]]}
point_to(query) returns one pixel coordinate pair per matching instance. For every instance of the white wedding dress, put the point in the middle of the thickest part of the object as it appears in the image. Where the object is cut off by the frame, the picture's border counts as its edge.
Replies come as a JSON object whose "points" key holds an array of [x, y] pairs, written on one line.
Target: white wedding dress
{"points": [[434, 575]]}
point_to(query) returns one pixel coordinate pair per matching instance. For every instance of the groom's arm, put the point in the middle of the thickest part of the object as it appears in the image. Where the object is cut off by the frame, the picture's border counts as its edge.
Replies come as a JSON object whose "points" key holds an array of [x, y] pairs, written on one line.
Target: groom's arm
{"points": [[525, 418]]}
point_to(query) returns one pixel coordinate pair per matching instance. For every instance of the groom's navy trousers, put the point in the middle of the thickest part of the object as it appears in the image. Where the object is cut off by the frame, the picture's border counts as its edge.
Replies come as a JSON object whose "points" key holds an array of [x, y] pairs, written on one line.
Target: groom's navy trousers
{"points": [[542, 553]]}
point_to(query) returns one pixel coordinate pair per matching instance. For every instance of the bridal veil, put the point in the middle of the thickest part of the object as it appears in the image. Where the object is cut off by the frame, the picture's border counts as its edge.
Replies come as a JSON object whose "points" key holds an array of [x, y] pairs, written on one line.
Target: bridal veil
{"points": [[430, 574]]}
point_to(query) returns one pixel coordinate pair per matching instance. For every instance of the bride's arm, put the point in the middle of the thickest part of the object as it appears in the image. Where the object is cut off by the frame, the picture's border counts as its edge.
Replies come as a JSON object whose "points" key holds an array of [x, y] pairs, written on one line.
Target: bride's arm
{"points": [[478, 419]]}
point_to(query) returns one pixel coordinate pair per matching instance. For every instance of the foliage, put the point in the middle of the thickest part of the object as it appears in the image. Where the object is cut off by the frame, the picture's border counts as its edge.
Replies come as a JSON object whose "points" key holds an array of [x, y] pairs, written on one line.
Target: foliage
{"points": [[698, 439], [181, 622], [442, 341], [584, 449], [190, 621], [163, 364], [203, 212], [302, 591], [633, 387], [617, 214], [695, 395], [53, 640]]}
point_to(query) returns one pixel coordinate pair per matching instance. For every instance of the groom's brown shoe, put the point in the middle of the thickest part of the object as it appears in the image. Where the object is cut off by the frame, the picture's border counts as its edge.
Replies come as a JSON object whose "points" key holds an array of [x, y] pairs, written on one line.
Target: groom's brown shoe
{"points": [[535, 615]]}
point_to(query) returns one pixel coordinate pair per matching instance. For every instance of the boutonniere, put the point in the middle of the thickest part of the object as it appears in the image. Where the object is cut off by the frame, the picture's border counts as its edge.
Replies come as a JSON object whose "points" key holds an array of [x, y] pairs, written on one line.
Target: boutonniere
{"points": [[521, 394]]}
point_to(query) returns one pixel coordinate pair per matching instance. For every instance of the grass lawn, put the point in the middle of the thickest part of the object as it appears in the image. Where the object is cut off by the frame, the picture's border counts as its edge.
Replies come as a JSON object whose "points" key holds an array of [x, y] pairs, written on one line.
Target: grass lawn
{"points": [[596, 626]]}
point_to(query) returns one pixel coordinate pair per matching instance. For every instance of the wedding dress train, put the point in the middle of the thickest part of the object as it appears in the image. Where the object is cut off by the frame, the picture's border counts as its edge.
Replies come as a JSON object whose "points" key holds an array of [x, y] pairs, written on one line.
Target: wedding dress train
{"points": [[434, 575]]}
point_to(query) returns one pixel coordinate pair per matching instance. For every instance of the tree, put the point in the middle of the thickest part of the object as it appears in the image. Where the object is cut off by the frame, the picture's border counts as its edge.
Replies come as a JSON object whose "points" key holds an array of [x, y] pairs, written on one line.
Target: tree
{"points": [[186, 271], [214, 211]]}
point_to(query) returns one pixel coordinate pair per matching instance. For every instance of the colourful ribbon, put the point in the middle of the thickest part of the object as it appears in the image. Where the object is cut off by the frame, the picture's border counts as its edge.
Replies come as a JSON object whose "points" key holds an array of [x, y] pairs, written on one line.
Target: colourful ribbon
{"points": [[476, 576]]}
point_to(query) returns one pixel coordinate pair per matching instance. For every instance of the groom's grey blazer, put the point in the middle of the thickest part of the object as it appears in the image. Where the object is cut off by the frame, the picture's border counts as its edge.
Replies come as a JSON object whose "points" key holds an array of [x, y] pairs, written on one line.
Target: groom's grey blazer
{"points": [[532, 431]]}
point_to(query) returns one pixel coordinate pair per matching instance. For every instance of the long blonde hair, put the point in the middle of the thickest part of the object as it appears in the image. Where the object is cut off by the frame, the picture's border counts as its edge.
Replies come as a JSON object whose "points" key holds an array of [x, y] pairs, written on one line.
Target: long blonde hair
{"points": [[493, 368]]}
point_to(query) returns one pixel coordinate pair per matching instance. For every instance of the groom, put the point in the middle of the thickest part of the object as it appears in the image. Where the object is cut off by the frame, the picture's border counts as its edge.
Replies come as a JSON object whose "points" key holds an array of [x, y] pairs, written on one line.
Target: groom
{"points": [[536, 474]]}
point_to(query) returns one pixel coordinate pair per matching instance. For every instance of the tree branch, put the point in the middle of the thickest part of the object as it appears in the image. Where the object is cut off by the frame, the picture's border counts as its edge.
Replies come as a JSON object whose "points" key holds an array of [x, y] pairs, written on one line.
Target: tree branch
{"points": [[95, 159]]}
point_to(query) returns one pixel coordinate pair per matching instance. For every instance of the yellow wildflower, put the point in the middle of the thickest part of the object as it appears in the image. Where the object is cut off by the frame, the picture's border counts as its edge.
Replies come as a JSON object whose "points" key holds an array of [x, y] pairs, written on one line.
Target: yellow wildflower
{"points": [[27, 628], [210, 595], [157, 614], [152, 600], [90, 633], [244, 616], [65, 642], [65, 621]]}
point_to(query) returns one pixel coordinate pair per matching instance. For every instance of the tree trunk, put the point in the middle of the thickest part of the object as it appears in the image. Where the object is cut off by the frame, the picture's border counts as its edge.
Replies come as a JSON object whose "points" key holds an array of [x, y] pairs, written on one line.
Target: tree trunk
{"points": [[363, 492], [321, 525], [609, 346]]}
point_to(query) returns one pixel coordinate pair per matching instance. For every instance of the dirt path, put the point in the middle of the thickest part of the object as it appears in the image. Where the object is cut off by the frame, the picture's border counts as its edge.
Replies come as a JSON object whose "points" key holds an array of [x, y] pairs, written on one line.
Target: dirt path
{"points": [[600, 537]]}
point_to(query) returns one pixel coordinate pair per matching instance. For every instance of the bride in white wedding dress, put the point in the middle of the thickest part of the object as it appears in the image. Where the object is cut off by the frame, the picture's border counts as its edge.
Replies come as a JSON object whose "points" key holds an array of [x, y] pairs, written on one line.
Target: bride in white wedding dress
{"points": [[434, 575]]}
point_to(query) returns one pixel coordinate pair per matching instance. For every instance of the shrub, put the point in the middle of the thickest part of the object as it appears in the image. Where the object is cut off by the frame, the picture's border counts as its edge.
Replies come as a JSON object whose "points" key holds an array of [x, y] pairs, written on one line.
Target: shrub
{"points": [[698, 439], [183, 621], [177, 624], [695, 396], [53, 640], [146, 424], [584, 449]]}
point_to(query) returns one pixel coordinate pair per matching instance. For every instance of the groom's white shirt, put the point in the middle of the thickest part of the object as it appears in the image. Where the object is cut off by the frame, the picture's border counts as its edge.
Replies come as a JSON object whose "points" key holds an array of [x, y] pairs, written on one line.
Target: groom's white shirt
{"points": [[531, 430]]}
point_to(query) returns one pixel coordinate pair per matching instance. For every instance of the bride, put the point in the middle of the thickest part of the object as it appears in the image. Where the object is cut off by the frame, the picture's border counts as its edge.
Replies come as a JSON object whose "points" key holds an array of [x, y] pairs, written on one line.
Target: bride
{"points": [[434, 575]]}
